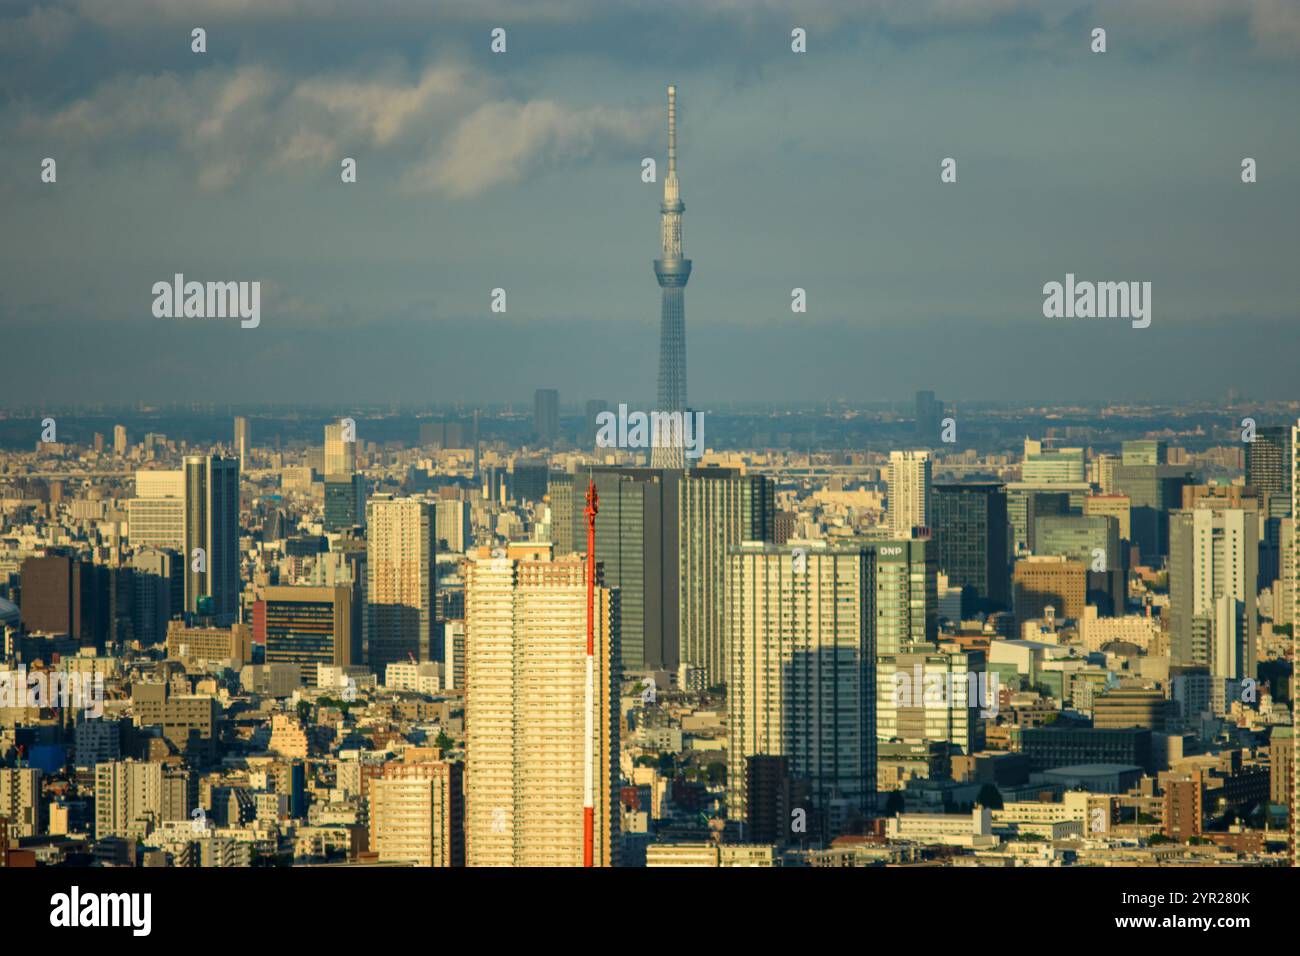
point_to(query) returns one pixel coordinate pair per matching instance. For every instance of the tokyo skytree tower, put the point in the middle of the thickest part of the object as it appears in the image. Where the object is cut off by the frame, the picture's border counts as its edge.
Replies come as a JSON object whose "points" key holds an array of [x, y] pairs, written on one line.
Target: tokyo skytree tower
{"points": [[672, 271]]}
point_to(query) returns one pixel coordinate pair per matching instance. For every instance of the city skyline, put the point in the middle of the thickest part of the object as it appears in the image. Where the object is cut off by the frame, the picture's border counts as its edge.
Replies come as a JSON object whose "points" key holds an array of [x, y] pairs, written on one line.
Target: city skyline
{"points": [[357, 510]]}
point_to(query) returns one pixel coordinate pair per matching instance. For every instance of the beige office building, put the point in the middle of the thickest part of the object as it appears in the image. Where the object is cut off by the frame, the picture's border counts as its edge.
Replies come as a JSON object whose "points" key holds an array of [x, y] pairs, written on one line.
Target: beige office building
{"points": [[234, 643], [525, 699]]}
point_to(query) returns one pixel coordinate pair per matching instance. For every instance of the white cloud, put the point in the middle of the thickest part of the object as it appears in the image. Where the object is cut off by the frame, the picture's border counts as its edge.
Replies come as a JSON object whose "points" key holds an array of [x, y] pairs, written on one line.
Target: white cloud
{"points": [[501, 142]]}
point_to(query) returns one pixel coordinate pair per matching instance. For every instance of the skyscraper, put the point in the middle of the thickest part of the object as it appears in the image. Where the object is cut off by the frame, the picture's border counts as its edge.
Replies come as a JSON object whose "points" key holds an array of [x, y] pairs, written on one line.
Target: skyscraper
{"points": [[970, 536], [1212, 579], [525, 694], [801, 672], [243, 441], [417, 813], [637, 545], [546, 416], [345, 502], [400, 580], [909, 492], [1268, 460], [719, 509], [62, 594], [308, 626], [212, 585], [340, 450], [672, 271]]}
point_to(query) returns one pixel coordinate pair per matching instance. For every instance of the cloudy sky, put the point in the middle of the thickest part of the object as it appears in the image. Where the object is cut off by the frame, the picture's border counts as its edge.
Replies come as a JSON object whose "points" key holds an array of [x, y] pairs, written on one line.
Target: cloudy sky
{"points": [[522, 171]]}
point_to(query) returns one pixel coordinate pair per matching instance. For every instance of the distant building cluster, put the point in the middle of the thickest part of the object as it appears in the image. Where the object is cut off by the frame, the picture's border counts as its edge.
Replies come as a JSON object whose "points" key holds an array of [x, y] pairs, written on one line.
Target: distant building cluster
{"points": [[359, 653]]}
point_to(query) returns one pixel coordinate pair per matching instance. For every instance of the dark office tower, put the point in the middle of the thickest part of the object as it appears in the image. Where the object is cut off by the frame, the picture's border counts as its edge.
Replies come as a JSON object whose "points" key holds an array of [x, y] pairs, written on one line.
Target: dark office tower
{"points": [[159, 592], [121, 605], [636, 542], [589, 428], [561, 503], [345, 502], [546, 416], [929, 415], [1268, 461], [1154, 489], [672, 271], [970, 540], [1093, 540], [212, 524], [308, 626], [1043, 504], [64, 595], [719, 509], [530, 481]]}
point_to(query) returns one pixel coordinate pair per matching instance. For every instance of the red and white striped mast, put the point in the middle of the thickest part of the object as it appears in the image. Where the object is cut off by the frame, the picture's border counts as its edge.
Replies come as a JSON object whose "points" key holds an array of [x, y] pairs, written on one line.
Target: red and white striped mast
{"points": [[588, 755]]}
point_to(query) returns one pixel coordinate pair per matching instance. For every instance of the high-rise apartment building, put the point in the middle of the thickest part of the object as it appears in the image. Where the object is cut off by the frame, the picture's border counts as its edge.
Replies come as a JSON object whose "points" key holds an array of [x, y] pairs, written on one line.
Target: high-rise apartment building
{"points": [[452, 522], [801, 671], [417, 814], [1213, 555], [909, 492], [925, 693], [20, 802], [525, 719], [401, 580], [119, 440], [128, 798], [212, 582]]}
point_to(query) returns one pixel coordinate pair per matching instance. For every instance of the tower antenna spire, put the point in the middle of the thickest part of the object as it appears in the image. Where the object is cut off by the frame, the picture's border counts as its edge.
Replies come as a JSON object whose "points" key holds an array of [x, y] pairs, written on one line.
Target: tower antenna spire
{"points": [[672, 130]]}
